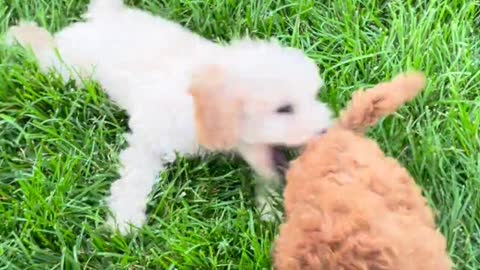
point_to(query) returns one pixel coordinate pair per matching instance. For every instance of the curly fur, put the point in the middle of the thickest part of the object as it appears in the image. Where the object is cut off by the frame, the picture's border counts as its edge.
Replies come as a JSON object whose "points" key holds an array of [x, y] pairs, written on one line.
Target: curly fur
{"points": [[349, 207]]}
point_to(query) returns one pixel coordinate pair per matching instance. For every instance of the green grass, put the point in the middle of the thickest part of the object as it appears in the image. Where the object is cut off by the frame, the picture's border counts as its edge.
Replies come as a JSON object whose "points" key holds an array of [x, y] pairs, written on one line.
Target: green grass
{"points": [[59, 145]]}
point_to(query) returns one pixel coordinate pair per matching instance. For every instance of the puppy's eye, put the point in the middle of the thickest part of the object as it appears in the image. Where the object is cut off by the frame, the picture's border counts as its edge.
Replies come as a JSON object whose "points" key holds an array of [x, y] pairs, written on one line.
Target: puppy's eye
{"points": [[285, 109]]}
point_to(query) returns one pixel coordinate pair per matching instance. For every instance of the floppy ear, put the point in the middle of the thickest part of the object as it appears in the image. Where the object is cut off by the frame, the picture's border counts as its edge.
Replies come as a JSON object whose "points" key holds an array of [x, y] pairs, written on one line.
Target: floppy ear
{"points": [[216, 111]]}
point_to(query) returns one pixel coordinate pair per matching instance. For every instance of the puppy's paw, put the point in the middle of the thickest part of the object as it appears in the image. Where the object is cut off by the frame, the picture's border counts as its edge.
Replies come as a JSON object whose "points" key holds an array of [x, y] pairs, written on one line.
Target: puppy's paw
{"points": [[266, 207], [126, 215], [270, 214], [126, 225]]}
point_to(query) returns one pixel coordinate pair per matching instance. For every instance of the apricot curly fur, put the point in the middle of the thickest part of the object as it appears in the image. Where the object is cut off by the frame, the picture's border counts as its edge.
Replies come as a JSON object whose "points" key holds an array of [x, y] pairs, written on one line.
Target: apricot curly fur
{"points": [[349, 207]]}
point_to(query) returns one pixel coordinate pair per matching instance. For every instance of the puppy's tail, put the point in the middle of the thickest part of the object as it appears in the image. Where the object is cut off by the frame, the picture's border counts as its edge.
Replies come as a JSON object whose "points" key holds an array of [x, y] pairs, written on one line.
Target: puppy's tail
{"points": [[367, 107], [98, 8], [30, 35]]}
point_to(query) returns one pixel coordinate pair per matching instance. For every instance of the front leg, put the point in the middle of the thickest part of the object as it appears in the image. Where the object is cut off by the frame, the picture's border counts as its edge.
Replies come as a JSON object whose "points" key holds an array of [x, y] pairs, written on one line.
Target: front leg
{"points": [[259, 157], [129, 194], [268, 196]]}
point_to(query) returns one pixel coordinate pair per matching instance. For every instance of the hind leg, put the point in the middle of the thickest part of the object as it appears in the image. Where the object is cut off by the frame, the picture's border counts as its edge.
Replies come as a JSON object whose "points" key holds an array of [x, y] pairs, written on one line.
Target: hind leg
{"points": [[43, 45], [29, 35]]}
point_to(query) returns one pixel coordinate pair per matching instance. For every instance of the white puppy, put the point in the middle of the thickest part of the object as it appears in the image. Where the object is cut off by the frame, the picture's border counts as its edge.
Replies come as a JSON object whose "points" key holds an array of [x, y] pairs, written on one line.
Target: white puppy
{"points": [[183, 94]]}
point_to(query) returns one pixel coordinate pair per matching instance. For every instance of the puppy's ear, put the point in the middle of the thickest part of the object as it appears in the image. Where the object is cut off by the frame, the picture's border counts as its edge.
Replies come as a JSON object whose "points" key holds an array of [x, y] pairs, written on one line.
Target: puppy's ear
{"points": [[217, 111]]}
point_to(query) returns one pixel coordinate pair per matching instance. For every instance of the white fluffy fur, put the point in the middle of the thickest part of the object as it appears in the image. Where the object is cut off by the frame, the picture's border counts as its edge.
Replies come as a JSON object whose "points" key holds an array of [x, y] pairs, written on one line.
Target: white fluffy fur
{"points": [[145, 64]]}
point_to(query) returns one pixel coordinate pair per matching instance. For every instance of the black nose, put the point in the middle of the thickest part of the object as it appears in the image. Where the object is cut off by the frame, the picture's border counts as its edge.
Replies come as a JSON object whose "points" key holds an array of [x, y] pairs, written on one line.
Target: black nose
{"points": [[322, 131]]}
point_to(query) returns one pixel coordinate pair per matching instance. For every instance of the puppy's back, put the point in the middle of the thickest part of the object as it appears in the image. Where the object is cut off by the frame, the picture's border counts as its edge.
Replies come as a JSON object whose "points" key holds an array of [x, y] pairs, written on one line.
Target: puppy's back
{"points": [[350, 207]]}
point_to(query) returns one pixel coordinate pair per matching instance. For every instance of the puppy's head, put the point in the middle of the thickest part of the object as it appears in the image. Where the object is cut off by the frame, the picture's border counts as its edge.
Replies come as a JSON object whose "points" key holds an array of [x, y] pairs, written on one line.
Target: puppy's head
{"points": [[258, 97]]}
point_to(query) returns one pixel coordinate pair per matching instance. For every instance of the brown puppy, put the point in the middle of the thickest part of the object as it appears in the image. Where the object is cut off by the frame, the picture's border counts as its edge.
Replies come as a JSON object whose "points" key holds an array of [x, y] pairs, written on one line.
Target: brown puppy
{"points": [[349, 207]]}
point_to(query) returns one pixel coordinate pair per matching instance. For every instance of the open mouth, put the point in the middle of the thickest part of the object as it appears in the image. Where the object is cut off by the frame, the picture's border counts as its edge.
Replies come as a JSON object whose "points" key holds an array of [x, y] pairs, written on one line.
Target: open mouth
{"points": [[280, 154], [279, 159]]}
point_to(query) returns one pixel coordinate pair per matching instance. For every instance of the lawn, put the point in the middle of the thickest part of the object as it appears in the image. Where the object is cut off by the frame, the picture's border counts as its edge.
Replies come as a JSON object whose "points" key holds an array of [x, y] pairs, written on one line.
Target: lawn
{"points": [[59, 145]]}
